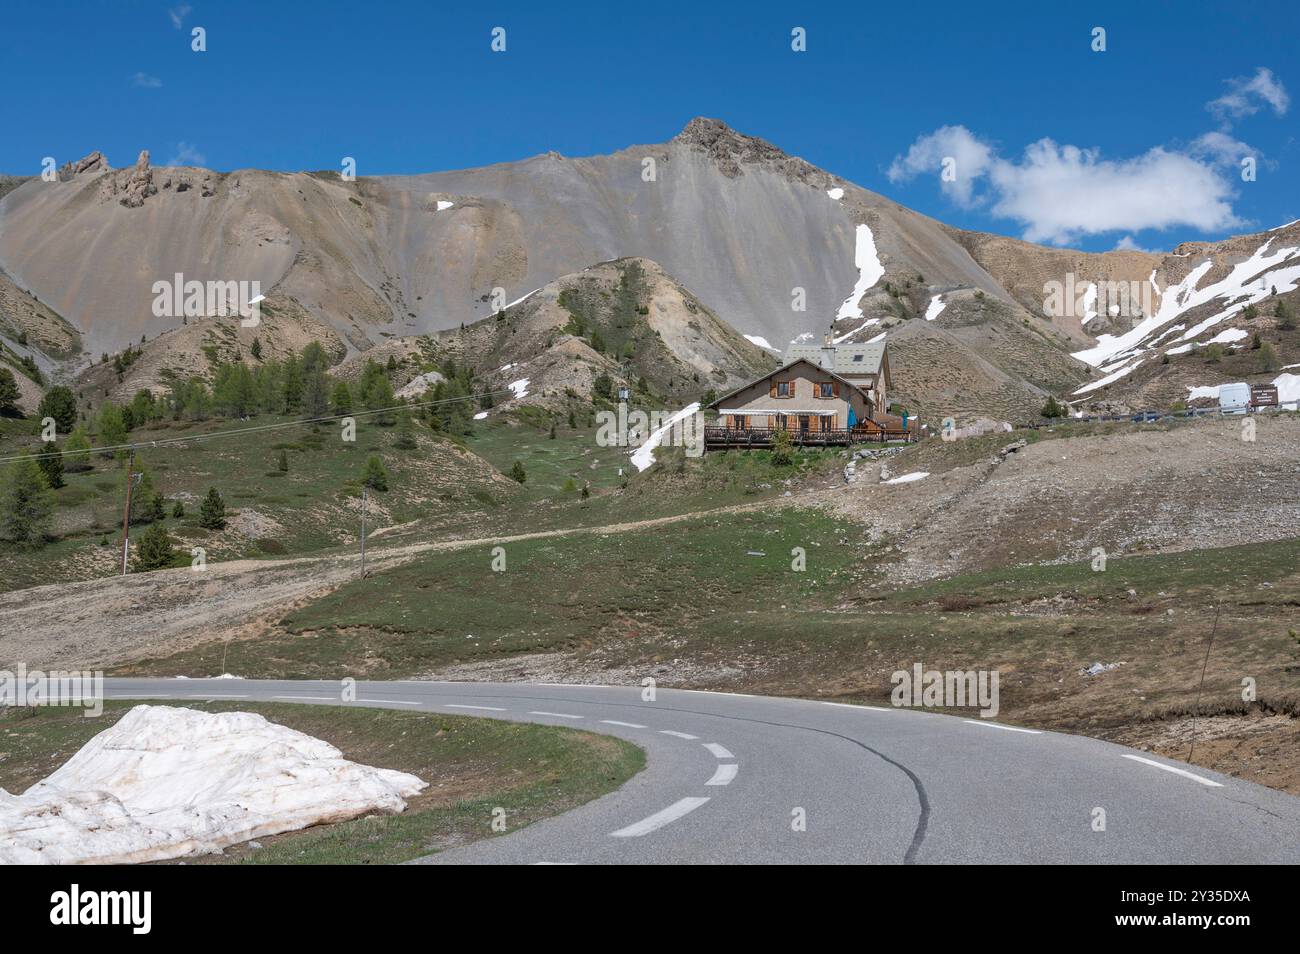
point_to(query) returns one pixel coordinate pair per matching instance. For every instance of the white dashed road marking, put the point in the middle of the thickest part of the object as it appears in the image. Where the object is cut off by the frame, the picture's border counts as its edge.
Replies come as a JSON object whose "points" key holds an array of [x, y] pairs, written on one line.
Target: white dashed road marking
{"points": [[660, 818], [457, 705], [396, 702], [723, 774], [717, 750], [556, 715], [678, 735], [626, 725], [849, 705], [311, 698], [1177, 771]]}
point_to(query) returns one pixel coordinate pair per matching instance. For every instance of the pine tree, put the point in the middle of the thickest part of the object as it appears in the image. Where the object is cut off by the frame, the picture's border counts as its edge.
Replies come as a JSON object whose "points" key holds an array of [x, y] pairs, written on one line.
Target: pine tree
{"points": [[256, 349], [9, 394], [518, 473], [552, 434], [212, 512], [27, 505], [51, 464], [60, 404], [77, 448], [112, 429], [155, 550], [142, 498], [179, 510], [342, 401], [375, 476], [573, 421], [282, 464], [405, 433], [156, 508], [378, 397]]}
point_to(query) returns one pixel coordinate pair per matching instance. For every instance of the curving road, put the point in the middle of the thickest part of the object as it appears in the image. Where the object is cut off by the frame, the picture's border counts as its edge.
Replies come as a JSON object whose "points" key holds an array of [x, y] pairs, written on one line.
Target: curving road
{"points": [[729, 776]]}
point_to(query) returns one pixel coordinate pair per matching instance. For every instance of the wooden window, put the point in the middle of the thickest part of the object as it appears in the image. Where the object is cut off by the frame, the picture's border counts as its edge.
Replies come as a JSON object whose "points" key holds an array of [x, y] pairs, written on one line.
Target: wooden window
{"points": [[785, 389], [827, 389]]}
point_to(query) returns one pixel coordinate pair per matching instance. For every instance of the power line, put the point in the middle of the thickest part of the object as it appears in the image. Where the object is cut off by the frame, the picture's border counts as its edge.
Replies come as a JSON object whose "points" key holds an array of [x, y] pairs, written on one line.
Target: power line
{"points": [[168, 441]]}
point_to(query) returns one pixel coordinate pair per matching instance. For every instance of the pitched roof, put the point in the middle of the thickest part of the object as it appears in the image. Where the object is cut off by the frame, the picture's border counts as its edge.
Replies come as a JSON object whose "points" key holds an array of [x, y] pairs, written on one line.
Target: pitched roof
{"points": [[848, 358], [783, 367]]}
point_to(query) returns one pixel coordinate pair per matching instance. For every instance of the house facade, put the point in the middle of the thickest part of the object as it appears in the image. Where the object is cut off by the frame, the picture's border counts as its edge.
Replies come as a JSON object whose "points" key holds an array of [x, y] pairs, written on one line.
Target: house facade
{"points": [[801, 396], [811, 399]]}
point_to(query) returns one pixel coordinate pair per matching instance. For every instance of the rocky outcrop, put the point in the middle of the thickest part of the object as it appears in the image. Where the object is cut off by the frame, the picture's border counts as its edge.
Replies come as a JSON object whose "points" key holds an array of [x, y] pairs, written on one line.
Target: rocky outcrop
{"points": [[131, 186], [94, 163]]}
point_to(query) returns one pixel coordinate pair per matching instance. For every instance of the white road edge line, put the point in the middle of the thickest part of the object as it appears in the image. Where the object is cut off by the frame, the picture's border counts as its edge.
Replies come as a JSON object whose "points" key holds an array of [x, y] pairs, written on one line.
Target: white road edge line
{"points": [[457, 705], [678, 735], [717, 750], [1177, 771], [850, 705], [1008, 728], [626, 725], [723, 774], [556, 715], [660, 818], [213, 695]]}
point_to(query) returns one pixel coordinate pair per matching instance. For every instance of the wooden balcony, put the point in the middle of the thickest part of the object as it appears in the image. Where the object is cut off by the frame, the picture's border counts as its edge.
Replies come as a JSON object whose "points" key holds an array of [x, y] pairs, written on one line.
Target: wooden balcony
{"points": [[722, 438]]}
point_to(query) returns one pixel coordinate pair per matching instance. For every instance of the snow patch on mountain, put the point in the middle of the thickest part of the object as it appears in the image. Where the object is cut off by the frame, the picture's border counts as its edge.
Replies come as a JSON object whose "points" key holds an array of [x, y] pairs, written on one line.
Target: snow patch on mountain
{"points": [[870, 271], [935, 308]]}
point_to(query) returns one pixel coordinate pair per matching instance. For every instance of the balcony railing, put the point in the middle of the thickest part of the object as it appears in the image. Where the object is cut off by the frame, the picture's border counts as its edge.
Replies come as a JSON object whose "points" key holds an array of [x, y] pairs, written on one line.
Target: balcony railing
{"points": [[839, 437]]}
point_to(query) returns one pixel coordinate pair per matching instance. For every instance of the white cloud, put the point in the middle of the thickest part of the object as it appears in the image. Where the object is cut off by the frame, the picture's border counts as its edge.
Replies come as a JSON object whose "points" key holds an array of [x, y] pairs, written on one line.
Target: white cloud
{"points": [[1221, 148], [145, 81], [1247, 95], [178, 14], [187, 155], [970, 157], [1128, 244], [1061, 193]]}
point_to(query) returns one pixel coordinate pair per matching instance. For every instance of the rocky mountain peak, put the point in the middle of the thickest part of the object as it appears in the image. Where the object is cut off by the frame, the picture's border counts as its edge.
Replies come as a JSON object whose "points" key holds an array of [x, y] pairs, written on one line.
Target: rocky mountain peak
{"points": [[728, 148]]}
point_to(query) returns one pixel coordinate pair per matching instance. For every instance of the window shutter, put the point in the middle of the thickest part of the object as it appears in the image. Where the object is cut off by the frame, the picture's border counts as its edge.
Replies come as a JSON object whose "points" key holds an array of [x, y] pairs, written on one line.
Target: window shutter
{"points": [[835, 389], [772, 392]]}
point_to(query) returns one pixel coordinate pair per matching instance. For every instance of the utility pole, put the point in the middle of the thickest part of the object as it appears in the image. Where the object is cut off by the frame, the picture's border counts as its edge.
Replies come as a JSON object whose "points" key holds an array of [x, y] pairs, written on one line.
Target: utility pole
{"points": [[365, 497], [126, 517]]}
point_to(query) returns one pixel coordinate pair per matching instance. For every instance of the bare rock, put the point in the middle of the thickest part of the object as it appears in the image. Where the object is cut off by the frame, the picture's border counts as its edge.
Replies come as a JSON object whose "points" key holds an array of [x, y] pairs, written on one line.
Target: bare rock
{"points": [[93, 163]]}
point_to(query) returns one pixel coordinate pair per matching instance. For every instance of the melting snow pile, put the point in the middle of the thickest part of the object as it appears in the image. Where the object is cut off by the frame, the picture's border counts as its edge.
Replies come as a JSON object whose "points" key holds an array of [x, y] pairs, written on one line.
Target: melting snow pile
{"points": [[644, 455], [908, 478], [837, 193], [870, 271], [444, 205], [520, 388], [167, 782], [761, 342]]}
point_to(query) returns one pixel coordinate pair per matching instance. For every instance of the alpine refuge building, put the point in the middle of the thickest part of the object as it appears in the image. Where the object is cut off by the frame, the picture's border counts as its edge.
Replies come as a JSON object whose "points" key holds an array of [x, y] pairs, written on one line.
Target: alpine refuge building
{"points": [[832, 394]]}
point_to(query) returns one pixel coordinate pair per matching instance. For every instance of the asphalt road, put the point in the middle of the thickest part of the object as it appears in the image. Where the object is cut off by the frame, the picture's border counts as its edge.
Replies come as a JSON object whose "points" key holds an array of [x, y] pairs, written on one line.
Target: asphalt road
{"points": [[729, 777]]}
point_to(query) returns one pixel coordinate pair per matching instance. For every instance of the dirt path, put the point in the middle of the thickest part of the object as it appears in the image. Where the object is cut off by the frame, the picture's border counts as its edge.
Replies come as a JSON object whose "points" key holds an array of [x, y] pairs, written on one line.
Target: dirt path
{"points": [[104, 622]]}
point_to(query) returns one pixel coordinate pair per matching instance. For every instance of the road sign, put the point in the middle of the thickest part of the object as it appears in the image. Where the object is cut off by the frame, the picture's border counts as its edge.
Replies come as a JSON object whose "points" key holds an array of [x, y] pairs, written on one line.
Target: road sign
{"points": [[1263, 395]]}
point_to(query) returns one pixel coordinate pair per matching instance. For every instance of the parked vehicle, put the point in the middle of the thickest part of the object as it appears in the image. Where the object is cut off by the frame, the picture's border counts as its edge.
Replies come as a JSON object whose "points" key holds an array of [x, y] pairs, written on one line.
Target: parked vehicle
{"points": [[1234, 398]]}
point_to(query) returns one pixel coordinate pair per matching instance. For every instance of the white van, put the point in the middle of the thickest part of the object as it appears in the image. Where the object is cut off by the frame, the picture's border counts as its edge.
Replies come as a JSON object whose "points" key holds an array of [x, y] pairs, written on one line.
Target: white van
{"points": [[1234, 398]]}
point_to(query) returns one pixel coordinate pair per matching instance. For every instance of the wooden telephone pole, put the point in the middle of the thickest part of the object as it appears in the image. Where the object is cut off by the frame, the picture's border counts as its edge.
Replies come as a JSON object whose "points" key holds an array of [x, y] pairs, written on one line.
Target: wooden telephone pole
{"points": [[126, 517]]}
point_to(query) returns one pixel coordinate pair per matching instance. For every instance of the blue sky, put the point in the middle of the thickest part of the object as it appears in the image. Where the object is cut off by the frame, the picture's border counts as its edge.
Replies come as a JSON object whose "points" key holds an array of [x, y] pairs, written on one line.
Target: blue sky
{"points": [[414, 87]]}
